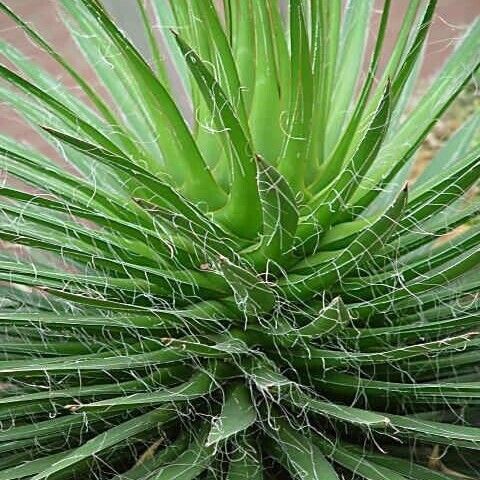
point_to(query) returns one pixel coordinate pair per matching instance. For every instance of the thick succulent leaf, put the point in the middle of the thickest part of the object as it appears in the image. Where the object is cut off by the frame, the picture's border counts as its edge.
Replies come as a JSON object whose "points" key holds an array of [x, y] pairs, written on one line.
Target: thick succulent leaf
{"points": [[188, 465], [280, 217], [442, 92], [329, 320], [237, 415], [147, 465], [251, 294], [269, 83], [336, 411], [326, 204], [406, 468], [332, 167], [415, 48], [164, 16], [65, 321], [359, 464], [159, 64], [90, 362], [412, 267], [245, 463], [29, 469], [103, 55], [436, 432], [292, 159], [200, 384], [434, 281], [355, 26], [222, 232], [349, 385], [111, 125], [162, 376], [328, 267], [242, 214], [50, 427], [57, 108], [156, 190], [222, 56], [438, 193], [325, 38], [176, 140], [109, 438], [321, 358], [454, 149], [299, 454], [455, 216], [377, 338]]}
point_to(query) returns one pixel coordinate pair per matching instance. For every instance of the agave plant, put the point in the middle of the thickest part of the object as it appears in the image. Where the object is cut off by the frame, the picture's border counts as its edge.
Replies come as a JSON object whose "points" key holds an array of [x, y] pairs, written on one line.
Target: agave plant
{"points": [[244, 285]]}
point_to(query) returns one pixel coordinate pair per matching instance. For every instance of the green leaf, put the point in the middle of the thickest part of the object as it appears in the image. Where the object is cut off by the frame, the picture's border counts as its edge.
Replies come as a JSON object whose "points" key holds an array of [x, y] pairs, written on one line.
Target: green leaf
{"points": [[158, 321], [91, 362], [188, 465], [329, 267], [29, 469], [252, 295], [410, 59], [328, 202], [292, 159], [349, 386], [377, 338], [57, 108], [51, 427], [175, 139], [264, 374], [109, 438], [411, 267], [440, 192], [157, 191], [433, 282], [245, 462], [359, 463], [237, 415], [441, 93], [39, 171], [200, 384], [242, 213], [162, 376], [356, 416], [222, 57], [334, 162], [164, 16], [436, 432], [321, 358], [329, 320], [298, 453], [455, 215], [325, 39], [280, 217], [353, 36], [267, 98], [158, 61], [322, 209], [454, 149], [407, 468], [43, 79], [147, 466]]}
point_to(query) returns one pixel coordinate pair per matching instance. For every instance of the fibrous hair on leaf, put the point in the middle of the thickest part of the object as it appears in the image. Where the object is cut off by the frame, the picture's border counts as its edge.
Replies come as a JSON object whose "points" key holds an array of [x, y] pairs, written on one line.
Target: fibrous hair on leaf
{"points": [[224, 267]]}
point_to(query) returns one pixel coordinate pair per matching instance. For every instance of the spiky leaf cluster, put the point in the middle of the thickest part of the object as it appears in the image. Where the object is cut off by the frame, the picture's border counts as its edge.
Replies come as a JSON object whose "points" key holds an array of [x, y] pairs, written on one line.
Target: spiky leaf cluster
{"points": [[241, 286]]}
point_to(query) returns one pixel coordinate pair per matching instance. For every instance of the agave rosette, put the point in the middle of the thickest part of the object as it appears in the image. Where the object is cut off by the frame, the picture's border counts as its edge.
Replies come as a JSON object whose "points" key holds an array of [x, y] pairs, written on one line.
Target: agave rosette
{"points": [[244, 286]]}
